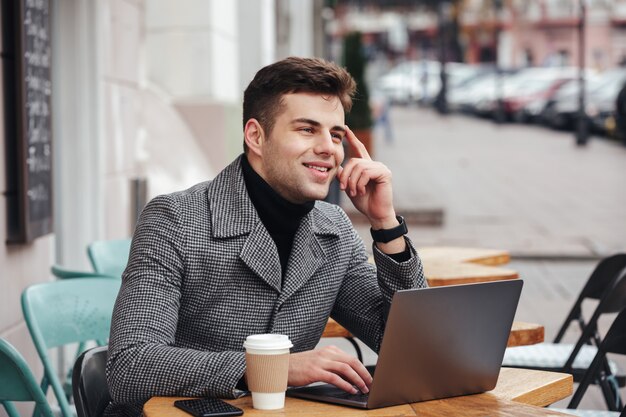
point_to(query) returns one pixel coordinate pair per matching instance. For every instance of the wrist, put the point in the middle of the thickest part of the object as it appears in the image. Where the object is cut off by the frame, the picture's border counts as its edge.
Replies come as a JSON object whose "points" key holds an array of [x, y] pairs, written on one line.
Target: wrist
{"points": [[386, 223], [388, 234]]}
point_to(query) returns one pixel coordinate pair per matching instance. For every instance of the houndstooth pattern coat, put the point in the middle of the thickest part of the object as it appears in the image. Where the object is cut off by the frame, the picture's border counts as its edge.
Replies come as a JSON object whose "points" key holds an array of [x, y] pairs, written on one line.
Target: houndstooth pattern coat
{"points": [[204, 273]]}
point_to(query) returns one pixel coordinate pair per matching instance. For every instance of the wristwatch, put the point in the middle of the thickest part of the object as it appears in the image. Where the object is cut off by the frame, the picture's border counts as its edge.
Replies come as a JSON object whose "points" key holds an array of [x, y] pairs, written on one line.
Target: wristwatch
{"points": [[387, 235]]}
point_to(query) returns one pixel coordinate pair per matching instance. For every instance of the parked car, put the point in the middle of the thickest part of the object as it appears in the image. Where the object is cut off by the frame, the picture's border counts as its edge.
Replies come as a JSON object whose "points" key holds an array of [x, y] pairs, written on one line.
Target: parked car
{"points": [[462, 98], [562, 111], [420, 81], [459, 75], [600, 106], [527, 86], [536, 107], [410, 81]]}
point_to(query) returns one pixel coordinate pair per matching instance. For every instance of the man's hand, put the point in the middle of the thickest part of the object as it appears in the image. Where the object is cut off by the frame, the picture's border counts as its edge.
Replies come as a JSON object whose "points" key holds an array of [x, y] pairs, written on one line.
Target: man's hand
{"points": [[368, 184], [328, 364]]}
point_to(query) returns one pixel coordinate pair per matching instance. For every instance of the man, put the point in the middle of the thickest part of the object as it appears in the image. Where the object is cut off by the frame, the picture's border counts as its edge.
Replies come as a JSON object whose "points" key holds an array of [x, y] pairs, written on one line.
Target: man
{"points": [[256, 251]]}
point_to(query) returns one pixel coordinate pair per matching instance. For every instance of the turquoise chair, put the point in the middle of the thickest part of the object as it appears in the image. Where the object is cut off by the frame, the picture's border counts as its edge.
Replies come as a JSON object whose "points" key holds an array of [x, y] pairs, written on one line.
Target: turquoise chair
{"points": [[17, 382], [65, 273], [61, 313], [109, 257]]}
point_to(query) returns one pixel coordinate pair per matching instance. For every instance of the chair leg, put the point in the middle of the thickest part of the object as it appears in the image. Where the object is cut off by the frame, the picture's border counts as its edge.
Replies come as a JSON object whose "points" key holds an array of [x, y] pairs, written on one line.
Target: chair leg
{"points": [[357, 348], [610, 391], [10, 409], [44, 388]]}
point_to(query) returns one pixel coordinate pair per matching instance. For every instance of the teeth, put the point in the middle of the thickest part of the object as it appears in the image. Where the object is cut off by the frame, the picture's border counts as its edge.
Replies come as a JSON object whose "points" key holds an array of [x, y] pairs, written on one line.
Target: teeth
{"points": [[321, 169]]}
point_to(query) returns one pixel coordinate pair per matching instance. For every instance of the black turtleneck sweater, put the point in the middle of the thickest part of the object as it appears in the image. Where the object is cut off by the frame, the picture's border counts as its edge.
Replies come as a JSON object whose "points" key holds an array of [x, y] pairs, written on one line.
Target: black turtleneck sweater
{"points": [[280, 217]]}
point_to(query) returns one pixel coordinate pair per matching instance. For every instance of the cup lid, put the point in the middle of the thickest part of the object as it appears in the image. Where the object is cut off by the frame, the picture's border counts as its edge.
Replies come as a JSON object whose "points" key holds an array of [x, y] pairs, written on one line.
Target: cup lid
{"points": [[267, 341]]}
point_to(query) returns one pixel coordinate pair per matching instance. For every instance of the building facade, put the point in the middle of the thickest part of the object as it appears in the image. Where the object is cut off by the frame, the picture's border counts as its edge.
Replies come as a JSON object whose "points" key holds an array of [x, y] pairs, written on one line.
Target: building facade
{"points": [[143, 92]]}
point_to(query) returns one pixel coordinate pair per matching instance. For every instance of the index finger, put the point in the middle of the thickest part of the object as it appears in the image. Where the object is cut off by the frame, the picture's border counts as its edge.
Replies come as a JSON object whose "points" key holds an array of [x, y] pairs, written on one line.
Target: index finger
{"points": [[357, 149]]}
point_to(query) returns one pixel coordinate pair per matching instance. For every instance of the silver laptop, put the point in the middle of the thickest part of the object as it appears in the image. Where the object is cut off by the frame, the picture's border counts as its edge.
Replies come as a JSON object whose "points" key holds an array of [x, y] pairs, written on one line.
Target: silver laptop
{"points": [[439, 342]]}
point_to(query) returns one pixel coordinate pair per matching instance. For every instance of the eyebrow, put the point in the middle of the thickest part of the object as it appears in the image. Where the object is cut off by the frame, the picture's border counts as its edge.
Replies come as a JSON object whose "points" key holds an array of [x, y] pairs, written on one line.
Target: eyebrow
{"points": [[317, 124]]}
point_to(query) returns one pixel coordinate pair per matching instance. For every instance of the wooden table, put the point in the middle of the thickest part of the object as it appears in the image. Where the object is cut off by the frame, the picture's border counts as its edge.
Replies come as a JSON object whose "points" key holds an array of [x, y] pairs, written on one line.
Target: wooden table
{"points": [[448, 265], [455, 254], [519, 392], [522, 333], [439, 273]]}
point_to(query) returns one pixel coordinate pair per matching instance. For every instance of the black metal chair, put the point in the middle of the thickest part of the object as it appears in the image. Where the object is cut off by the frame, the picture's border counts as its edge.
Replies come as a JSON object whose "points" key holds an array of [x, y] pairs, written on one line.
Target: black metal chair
{"points": [[607, 284], [614, 342], [91, 392]]}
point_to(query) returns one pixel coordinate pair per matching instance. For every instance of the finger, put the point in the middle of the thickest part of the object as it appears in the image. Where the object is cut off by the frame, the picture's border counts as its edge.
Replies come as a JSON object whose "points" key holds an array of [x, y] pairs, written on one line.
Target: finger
{"points": [[350, 367], [359, 368], [346, 173], [348, 370], [355, 176], [357, 148], [364, 179], [338, 176], [336, 380]]}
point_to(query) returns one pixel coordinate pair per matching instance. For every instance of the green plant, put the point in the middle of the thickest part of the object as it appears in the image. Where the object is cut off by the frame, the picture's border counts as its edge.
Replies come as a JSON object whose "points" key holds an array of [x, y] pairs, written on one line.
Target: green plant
{"points": [[360, 117]]}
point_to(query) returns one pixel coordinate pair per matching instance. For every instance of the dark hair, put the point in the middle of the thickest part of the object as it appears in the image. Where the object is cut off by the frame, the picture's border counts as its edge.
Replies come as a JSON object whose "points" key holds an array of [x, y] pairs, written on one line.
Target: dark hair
{"points": [[262, 100]]}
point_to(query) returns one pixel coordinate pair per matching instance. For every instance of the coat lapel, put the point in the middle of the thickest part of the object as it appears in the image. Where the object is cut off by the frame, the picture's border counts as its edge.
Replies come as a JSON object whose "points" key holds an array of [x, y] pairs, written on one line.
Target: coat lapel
{"points": [[307, 254], [260, 254], [233, 215]]}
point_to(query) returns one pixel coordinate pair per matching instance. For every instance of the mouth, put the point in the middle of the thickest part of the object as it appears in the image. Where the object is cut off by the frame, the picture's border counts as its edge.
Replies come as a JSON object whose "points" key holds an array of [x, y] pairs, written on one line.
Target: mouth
{"points": [[318, 167]]}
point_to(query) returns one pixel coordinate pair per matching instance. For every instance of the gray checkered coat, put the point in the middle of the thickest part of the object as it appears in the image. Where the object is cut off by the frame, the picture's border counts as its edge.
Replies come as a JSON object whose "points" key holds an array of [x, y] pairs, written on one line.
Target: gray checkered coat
{"points": [[204, 273]]}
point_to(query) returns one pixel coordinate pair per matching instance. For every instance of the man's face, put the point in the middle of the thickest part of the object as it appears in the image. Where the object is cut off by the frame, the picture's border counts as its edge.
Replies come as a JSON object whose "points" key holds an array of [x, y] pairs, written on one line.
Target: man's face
{"points": [[304, 150]]}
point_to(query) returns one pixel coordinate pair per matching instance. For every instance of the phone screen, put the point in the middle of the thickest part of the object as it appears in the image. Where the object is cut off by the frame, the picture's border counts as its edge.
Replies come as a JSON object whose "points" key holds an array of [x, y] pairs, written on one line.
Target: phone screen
{"points": [[208, 407]]}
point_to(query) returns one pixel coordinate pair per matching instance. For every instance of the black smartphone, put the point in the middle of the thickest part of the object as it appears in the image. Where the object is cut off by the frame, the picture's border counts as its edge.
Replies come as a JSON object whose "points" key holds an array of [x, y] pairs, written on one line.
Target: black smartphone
{"points": [[208, 407]]}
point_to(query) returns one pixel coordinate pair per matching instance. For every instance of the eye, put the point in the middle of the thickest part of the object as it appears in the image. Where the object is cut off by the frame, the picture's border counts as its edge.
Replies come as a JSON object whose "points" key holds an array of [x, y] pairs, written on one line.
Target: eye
{"points": [[338, 137], [307, 130]]}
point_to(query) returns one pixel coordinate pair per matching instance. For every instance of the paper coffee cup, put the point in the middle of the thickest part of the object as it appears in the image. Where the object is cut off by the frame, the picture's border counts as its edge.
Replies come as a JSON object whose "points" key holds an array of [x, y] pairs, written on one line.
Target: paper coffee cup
{"points": [[267, 369]]}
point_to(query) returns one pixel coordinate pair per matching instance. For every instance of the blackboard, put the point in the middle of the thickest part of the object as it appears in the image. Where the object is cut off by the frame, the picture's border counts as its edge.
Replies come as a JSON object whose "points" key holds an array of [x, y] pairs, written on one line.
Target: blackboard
{"points": [[28, 62]]}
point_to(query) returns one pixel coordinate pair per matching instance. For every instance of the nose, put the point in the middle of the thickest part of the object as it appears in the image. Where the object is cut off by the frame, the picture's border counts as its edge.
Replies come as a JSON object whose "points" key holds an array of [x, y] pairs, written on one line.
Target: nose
{"points": [[324, 144]]}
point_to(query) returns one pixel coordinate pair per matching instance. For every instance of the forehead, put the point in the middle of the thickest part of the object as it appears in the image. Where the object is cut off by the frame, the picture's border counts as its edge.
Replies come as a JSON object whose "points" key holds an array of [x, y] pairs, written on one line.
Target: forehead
{"points": [[319, 107]]}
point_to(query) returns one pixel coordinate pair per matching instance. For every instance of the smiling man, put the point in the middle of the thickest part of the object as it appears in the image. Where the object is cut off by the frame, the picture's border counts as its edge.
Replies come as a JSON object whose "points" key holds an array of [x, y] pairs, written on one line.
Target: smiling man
{"points": [[256, 251]]}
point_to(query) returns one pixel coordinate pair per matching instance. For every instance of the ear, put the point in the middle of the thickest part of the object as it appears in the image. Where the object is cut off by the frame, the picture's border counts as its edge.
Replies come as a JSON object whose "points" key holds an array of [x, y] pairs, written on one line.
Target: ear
{"points": [[254, 136]]}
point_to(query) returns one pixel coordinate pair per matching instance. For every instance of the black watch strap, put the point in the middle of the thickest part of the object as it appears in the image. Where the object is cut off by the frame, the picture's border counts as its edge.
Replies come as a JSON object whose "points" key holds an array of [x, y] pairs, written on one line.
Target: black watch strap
{"points": [[387, 235]]}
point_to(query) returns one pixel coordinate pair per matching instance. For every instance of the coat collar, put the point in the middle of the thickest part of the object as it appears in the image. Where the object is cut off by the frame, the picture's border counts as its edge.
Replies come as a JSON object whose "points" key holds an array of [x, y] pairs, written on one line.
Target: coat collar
{"points": [[228, 196], [233, 214]]}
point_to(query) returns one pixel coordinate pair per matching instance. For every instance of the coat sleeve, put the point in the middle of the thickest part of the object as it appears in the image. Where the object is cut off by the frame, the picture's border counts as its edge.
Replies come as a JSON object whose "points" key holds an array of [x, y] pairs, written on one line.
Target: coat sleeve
{"points": [[364, 299], [143, 359]]}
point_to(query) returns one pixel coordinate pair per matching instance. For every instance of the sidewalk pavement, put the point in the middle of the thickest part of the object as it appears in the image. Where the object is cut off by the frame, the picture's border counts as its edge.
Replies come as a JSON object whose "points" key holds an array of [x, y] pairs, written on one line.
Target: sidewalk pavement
{"points": [[524, 188]]}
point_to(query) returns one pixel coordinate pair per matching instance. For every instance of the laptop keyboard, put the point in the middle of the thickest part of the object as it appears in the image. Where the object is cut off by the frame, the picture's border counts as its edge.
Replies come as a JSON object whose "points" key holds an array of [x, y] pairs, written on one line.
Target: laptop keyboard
{"points": [[360, 397]]}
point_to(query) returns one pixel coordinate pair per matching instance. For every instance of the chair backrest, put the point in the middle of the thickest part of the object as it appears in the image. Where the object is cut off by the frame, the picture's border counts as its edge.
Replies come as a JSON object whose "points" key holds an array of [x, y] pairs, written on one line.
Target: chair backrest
{"points": [[613, 301], [17, 382], [109, 257], [65, 312], [597, 287], [65, 273], [613, 342], [89, 384]]}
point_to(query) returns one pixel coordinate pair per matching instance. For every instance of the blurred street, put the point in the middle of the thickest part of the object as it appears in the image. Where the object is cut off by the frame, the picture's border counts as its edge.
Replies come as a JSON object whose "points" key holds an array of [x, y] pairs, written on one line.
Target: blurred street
{"points": [[518, 187], [556, 207]]}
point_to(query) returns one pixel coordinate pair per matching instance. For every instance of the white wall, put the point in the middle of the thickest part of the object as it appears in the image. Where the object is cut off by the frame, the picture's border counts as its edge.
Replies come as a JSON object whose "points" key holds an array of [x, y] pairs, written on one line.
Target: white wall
{"points": [[76, 124], [295, 28], [192, 48], [257, 35]]}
